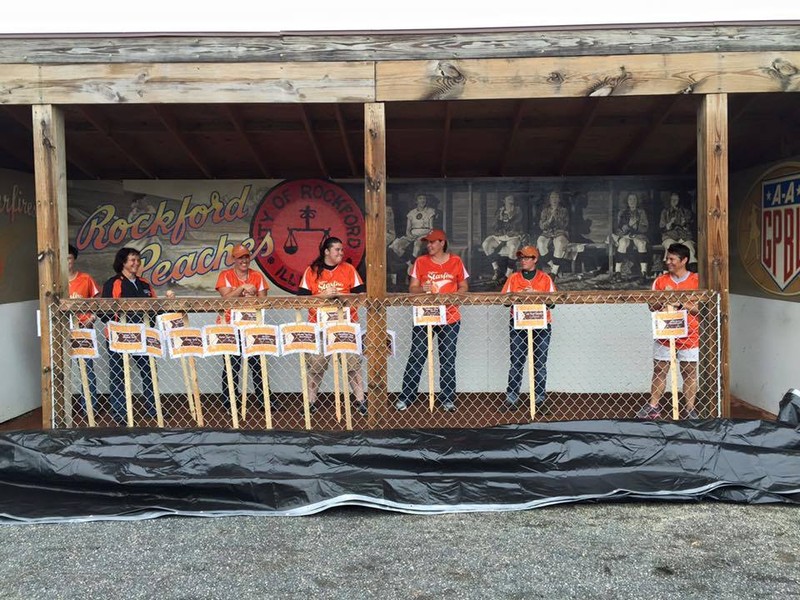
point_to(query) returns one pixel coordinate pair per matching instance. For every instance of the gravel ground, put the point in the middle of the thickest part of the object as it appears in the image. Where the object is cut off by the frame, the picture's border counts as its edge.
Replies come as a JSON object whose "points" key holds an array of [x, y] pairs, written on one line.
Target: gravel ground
{"points": [[648, 551]]}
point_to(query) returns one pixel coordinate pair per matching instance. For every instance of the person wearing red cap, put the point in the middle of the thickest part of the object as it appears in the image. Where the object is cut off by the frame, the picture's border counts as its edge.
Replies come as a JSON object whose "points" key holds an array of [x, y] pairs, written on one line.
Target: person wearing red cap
{"points": [[437, 272], [241, 282], [528, 280]]}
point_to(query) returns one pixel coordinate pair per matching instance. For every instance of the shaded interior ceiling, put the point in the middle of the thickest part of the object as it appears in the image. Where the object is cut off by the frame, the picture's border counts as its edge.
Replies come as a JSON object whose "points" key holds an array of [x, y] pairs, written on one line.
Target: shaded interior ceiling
{"points": [[636, 135]]}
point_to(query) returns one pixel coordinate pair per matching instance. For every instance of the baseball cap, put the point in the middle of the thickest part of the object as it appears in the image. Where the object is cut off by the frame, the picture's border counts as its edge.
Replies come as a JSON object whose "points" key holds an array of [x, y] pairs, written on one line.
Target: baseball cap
{"points": [[435, 235], [239, 251], [528, 251]]}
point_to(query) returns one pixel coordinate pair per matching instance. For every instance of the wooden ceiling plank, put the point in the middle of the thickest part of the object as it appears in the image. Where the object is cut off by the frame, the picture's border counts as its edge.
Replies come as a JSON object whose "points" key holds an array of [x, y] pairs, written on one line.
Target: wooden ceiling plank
{"points": [[171, 123], [74, 157], [345, 141], [102, 125], [662, 110], [509, 145], [589, 114], [311, 137], [244, 135], [448, 116]]}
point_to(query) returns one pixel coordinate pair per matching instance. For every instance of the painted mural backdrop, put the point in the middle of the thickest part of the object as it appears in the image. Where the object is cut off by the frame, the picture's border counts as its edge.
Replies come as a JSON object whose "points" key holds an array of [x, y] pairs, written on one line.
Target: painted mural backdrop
{"points": [[594, 233], [19, 274]]}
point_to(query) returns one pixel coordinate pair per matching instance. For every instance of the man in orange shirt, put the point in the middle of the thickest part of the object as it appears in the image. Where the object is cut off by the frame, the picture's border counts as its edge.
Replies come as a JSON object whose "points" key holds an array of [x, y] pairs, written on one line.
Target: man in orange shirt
{"points": [[677, 277], [242, 282], [81, 285], [437, 272], [528, 280]]}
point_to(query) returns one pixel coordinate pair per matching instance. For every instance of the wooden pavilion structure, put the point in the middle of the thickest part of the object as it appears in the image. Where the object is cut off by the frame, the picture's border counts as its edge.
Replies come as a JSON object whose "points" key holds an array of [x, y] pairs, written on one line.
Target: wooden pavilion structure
{"points": [[645, 99]]}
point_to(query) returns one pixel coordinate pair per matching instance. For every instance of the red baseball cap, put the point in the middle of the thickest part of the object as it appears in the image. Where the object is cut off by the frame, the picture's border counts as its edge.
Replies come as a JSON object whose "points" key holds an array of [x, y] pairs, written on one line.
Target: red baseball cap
{"points": [[528, 251], [435, 235], [239, 251]]}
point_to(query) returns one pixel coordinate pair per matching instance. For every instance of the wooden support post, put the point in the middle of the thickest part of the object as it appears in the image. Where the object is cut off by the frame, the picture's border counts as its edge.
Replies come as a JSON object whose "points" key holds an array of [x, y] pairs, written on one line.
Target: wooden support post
{"points": [[375, 208], [50, 166], [712, 210]]}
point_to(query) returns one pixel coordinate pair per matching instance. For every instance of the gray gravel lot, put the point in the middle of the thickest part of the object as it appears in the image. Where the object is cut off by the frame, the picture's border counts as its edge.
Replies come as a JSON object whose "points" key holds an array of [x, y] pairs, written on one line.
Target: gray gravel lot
{"points": [[648, 551]]}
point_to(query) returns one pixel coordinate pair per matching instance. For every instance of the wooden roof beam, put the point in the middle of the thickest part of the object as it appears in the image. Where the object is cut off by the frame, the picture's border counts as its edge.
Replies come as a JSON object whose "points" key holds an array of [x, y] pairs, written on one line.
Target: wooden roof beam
{"points": [[661, 111], [518, 113], [588, 117], [345, 142], [171, 123], [448, 117], [102, 125], [73, 158], [310, 132], [238, 124]]}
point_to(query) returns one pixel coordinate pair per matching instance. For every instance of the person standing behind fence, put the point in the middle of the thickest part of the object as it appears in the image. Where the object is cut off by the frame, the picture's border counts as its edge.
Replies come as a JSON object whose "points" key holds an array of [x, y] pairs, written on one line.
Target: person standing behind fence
{"points": [[528, 280], [242, 282], [437, 272], [677, 277], [126, 284], [330, 276], [81, 285]]}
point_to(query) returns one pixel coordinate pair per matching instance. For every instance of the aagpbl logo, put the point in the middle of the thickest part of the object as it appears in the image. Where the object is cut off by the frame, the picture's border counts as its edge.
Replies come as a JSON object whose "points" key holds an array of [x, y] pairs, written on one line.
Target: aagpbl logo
{"points": [[780, 228], [300, 215], [769, 231]]}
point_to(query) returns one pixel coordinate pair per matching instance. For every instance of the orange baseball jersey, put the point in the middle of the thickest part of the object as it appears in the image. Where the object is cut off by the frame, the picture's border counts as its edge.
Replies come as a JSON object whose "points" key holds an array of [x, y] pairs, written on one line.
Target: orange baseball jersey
{"points": [[444, 278], [229, 278], [541, 282], [665, 282], [83, 286], [343, 278]]}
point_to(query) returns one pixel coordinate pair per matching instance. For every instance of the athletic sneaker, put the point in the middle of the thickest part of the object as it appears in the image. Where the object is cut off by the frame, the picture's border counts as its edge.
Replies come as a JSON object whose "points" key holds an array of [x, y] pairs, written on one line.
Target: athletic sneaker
{"points": [[511, 400], [401, 405], [649, 412], [361, 407], [448, 405]]}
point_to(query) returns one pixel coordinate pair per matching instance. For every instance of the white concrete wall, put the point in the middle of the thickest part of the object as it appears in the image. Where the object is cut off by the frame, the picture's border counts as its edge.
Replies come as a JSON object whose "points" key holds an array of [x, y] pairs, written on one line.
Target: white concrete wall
{"points": [[764, 349], [19, 365]]}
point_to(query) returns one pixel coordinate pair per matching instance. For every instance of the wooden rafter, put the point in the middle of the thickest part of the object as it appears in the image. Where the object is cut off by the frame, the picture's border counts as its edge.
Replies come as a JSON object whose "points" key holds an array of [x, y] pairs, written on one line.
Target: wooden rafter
{"points": [[662, 110], [345, 141], [448, 116], [589, 114], [171, 123], [509, 145], [238, 124], [102, 125], [312, 138], [74, 157]]}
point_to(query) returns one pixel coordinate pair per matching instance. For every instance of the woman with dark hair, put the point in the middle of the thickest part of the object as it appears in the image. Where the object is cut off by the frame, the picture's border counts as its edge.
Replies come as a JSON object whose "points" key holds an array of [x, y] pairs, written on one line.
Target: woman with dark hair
{"points": [[127, 284], [330, 276]]}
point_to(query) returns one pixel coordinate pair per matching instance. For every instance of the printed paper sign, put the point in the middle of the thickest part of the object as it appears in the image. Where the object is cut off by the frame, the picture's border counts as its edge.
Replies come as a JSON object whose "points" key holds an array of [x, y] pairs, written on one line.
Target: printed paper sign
{"points": [[220, 339], [260, 339], [429, 315], [185, 341], [83, 344], [240, 318], [330, 314], [153, 342], [299, 337], [671, 324], [172, 320], [341, 337], [126, 338], [530, 316]]}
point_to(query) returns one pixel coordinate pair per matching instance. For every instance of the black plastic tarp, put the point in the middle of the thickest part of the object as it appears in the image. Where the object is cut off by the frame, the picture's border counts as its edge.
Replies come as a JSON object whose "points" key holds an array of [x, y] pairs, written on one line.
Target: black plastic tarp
{"points": [[108, 474]]}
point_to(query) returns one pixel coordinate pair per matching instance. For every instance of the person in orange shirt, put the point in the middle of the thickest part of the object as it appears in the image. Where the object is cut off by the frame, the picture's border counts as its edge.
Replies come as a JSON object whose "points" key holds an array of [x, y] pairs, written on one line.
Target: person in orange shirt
{"points": [[677, 277], [330, 276], [81, 285], [528, 280], [242, 282], [437, 272]]}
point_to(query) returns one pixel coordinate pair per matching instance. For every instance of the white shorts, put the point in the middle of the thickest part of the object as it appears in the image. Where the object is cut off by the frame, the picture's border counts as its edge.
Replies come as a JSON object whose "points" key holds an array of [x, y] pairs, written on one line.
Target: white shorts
{"points": [[661, 352]]}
